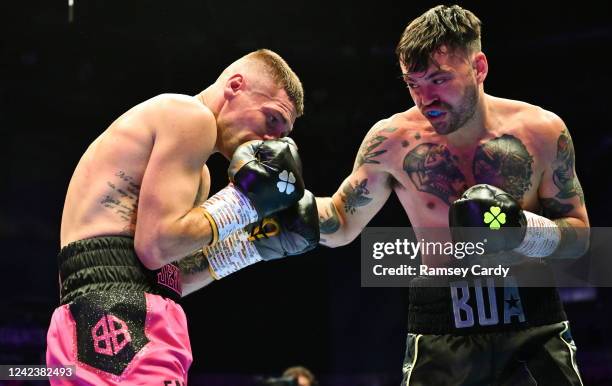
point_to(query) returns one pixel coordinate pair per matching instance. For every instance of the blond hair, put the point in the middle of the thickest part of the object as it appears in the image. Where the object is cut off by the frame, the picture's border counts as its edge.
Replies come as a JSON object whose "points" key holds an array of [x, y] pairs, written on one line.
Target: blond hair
{"points": [[282, 75]]}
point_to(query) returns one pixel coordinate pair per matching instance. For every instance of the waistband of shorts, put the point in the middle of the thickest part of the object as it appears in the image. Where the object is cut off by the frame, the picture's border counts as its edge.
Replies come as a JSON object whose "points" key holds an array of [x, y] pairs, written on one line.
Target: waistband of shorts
{"points": [[110, 263], [430, 309]]}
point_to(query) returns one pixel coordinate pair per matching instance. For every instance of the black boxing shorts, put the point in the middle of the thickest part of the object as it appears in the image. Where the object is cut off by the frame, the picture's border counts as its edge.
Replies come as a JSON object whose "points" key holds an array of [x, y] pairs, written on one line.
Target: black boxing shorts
{"points": [[478, 332]]}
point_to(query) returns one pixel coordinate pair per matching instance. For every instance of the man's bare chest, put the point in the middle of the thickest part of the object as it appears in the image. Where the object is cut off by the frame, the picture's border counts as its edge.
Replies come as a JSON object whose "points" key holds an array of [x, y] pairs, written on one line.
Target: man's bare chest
{"points": [[437, 169]]}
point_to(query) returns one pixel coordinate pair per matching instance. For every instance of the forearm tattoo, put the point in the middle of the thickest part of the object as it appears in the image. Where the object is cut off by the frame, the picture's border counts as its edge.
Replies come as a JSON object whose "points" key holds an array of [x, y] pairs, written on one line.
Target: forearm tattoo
{"points": [[568, 233], [564, 175], [371, 149], [123, 199], [354, 196], [329, 222], [574, 241], [196, 262]]}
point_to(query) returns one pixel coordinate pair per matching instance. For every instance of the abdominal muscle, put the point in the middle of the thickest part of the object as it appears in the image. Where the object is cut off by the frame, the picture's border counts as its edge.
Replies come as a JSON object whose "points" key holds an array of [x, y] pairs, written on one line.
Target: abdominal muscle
{"points": [[429, 223]]}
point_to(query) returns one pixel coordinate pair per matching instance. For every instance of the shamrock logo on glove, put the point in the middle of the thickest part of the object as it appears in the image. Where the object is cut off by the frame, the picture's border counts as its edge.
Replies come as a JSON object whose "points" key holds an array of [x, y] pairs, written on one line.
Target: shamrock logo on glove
{"points": [[495, 217], [287, 179]]}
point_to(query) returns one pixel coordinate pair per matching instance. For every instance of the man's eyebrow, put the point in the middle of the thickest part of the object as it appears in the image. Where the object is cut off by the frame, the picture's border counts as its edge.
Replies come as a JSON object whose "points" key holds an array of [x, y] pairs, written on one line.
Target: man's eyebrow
{"points": [[283, 117], [435, 73], [277, 112]]}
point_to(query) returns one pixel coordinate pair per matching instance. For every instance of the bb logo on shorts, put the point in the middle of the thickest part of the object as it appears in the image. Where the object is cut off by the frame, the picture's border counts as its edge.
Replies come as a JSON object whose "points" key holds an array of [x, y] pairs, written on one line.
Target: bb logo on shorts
{"points": [[110, 335], [110, 328]]}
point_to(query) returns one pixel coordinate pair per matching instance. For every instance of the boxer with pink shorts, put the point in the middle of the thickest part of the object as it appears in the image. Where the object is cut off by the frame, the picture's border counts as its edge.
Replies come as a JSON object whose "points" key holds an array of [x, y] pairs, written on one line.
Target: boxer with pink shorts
{"points": [[138, 217], [117, 323]]}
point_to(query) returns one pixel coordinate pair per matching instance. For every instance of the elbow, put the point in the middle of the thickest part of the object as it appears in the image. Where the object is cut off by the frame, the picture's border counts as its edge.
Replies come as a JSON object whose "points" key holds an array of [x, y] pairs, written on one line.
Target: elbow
{"points": [[584, 247], [583, 242], [337, 239], [149, 251], [575, 252], [336, 243], [163, 244], [576, 245], [149, 256]]}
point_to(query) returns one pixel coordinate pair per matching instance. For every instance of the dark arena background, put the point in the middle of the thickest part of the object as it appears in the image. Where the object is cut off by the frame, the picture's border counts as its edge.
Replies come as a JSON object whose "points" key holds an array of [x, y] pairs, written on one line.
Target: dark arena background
{"points": [[67, 74]]}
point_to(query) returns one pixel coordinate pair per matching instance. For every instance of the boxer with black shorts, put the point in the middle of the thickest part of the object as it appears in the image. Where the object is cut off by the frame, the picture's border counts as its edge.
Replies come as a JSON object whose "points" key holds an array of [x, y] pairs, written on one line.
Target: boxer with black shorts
{"points": [[139, 230], [457, 153]]}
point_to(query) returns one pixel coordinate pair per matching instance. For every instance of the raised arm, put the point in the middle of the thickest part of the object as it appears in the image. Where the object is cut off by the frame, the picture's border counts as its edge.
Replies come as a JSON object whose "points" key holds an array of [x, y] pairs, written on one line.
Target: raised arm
{"points": [[343, 216]]}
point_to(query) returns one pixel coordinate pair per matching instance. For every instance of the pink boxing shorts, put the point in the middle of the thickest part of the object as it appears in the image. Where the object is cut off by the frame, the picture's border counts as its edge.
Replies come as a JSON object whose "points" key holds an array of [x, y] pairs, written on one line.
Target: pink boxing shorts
{"points": [[118, 322], [116, 346]]}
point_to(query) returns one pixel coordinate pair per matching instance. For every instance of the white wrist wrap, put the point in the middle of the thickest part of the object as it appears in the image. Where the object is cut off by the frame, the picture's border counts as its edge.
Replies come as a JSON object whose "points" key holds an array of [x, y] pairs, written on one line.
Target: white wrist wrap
{"points": [[230, 210], [231, 254], [542, 237]]}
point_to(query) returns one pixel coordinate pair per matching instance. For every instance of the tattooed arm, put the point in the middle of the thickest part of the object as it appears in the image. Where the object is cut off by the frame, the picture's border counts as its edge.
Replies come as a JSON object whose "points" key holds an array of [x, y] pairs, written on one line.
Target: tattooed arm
{"points": [[194, 272], [343, 216], [561, 196], [194, 267]]}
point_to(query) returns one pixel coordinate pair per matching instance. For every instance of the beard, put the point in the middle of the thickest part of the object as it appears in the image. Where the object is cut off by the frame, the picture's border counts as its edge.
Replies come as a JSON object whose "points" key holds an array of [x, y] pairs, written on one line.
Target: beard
{"points": [[459, 115]]}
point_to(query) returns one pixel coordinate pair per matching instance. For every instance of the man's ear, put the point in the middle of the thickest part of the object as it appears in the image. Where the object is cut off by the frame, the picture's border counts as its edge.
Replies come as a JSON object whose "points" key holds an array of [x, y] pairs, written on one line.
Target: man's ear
{"points": [[233, 85], [480, 66]]}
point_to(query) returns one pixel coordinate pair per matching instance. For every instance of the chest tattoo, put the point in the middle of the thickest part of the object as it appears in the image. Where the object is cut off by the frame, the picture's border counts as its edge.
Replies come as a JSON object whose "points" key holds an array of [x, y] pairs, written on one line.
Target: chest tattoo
{"points": [[432, 169], [504, 162]]}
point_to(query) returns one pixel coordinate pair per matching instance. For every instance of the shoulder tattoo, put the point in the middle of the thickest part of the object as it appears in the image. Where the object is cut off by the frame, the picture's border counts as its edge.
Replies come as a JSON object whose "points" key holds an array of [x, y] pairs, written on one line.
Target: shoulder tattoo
{"points": [[372, 148]]}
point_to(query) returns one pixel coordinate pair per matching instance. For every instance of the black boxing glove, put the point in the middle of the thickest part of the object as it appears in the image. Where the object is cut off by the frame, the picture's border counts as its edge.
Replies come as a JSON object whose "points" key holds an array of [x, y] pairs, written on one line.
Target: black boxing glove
{"points": [[487, 212], [265, 177], [292, 231], [269, 173]]}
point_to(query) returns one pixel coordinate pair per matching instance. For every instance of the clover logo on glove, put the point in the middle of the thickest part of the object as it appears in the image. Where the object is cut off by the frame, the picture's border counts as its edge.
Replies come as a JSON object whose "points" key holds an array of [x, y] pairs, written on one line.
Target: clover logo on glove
{"points": [[495, 217], [287, 179]]}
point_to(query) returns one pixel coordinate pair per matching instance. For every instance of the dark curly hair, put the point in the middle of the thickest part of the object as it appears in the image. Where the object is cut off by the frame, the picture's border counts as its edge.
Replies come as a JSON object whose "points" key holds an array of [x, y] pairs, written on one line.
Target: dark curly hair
{"points": [[450, 26]]}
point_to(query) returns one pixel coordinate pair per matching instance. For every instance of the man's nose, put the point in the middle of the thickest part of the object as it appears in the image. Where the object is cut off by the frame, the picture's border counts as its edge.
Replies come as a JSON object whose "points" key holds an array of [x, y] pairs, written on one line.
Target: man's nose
{"points": [[427, 97]]}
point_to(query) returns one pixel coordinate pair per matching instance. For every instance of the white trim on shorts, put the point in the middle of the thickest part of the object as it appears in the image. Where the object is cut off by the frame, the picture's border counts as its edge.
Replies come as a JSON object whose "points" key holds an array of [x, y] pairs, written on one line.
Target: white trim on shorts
{"points": [[416, 353], [571, 351]]}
